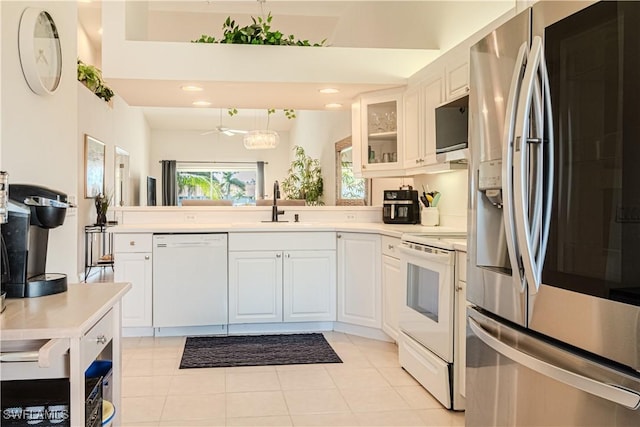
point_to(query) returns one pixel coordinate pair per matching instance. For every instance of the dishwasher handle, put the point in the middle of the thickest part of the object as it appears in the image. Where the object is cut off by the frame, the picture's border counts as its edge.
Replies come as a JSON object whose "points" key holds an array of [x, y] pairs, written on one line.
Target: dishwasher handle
{"points": [[188, 244]]}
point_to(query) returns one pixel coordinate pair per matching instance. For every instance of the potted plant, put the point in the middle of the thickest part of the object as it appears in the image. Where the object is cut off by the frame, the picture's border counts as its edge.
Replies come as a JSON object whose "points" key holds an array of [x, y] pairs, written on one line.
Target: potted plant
{"points": [[258, 33], [102, 202], [91, 77], [305, 179]]}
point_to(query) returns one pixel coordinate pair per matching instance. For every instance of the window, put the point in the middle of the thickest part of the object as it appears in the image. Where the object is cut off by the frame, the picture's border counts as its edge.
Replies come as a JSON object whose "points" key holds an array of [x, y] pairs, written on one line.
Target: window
{"points": [[218, 181], [350, 191]]}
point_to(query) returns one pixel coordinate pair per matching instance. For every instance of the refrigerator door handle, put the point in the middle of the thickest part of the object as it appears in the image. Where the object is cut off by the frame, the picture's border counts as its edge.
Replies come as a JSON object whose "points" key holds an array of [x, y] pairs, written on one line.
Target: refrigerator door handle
{"points": [[616, 394], [521, 170], [507, 169], [548, 148]]}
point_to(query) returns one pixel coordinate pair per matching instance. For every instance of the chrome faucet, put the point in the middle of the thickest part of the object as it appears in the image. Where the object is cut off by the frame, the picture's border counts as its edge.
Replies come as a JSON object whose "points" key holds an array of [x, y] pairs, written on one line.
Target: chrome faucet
{"points": [[274, 209]]}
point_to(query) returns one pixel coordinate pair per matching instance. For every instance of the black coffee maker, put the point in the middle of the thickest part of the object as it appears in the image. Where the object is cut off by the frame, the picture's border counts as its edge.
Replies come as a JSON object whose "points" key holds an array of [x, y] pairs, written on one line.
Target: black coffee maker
{"points": [[32, 212]]}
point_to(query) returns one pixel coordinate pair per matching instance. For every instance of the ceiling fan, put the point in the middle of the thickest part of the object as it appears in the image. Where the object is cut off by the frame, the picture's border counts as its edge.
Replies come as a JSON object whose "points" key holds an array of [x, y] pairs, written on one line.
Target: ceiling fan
{"points": [[224, 130]]}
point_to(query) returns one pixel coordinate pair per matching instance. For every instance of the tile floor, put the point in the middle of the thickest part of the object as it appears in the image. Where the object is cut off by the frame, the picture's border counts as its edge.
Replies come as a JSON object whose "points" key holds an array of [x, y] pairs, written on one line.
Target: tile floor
{"points": [[368, 389]]}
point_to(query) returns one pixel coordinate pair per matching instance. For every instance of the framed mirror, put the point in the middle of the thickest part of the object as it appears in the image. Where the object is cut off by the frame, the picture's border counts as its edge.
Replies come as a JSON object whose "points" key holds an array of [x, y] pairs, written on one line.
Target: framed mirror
{"points": [[93, 167], [121, 177], [350, 191]]}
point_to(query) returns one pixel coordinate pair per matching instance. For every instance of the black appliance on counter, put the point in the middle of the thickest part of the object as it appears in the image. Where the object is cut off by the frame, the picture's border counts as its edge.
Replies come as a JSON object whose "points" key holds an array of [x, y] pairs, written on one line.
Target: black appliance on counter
{"points": [[401, 206], [33, 211]]}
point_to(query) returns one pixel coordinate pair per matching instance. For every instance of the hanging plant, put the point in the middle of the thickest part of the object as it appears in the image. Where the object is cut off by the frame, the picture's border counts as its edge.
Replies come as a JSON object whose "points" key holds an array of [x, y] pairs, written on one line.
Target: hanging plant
{"points": [[289, 113], [305, 179], [257, 33], [91, 77]]}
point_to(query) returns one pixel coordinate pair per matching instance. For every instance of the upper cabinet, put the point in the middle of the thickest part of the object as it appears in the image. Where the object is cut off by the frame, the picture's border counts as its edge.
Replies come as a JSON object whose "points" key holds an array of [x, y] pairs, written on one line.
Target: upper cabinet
{"points": [[440, 82], [420, 102], [394, 131], [456, 67], [381, 133]]}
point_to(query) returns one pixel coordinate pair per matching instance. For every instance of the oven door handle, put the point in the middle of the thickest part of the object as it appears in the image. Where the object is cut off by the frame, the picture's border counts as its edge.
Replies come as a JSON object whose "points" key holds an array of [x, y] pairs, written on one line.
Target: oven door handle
{"points": [[441, 257]]}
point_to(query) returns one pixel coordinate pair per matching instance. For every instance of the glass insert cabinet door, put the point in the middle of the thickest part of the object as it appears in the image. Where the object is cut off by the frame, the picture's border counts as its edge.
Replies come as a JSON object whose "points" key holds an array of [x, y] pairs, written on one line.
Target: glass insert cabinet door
{"points": [[381, 120]]}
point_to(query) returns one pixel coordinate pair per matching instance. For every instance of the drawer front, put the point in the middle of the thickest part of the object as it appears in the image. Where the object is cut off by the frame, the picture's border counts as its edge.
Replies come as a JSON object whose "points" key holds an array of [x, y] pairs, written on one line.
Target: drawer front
{"points": [[461, 263], [390, 246], [427, 368], [283, 241], [132, 242], [96, 339]]}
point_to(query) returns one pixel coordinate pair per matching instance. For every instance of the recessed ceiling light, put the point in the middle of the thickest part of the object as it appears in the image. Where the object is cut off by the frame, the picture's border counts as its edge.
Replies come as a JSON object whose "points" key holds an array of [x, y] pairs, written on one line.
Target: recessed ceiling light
{"points": [[201, 103], [329, 90], [191, 88], [333, 105]]}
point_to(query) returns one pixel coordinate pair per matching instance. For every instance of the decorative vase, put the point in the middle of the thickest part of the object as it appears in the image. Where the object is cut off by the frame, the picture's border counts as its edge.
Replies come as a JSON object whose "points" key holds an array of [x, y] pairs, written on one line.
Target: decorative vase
{"points": [[101, 219]]}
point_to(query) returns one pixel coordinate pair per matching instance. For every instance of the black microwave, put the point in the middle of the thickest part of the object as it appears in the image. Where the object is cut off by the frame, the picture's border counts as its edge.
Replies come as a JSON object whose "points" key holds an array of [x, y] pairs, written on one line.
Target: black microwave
{"points": [[452, 125]]}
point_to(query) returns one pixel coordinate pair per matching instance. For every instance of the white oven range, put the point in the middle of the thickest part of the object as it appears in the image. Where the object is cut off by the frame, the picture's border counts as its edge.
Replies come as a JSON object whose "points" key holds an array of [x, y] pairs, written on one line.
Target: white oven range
{"points": [[428, 315]]}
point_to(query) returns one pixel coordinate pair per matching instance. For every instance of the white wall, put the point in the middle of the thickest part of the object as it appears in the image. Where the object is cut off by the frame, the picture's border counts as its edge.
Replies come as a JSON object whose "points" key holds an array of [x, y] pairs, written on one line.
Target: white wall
{"points": [[454, 187], [114, 125], [86, 52], [190, 146], [39, 133], [317, 132]]}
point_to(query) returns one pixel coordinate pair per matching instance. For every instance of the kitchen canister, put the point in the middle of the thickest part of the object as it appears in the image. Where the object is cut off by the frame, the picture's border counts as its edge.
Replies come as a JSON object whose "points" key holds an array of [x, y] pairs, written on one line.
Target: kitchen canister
{"points": [[430, 216]]}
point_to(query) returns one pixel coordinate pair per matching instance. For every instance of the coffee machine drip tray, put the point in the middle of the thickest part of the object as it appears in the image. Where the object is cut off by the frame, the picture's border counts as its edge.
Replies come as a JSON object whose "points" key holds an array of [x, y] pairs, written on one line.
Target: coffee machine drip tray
{"points": [[38, 286]]}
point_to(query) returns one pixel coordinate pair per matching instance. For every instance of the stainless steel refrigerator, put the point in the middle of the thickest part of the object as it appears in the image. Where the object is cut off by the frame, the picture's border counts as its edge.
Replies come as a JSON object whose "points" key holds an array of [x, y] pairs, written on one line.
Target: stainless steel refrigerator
{"points": [[553, 333]]}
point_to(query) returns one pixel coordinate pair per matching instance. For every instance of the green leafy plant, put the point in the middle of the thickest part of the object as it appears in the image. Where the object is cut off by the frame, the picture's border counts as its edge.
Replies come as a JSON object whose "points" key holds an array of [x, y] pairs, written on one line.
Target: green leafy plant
{"points": [[259, 33], [289, 113], [305, 179], [91, 77]]}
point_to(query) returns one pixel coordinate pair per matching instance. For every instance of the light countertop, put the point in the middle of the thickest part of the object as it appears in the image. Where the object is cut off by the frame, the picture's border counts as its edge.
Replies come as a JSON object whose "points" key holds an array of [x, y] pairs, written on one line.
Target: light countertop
{"points": [[65, 315], [393, 230]]}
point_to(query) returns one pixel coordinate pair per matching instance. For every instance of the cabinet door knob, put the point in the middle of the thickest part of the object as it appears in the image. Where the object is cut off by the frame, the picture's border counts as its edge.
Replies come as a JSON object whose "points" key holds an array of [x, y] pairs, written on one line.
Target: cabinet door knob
{"points": [[278, 255], [390, 246], [339, 236], [132, 243], [147, 257], [364, 166], [101, 339]]}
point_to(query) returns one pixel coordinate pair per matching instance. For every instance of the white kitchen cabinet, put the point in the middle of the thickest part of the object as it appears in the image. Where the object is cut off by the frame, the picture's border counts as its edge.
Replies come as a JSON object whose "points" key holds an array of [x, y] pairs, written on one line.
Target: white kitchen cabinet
{"points": [[456, 67], [359, 279], [413, 125], [60, 336], [391, 286], [255, 287], [309, 286], [420, 105], [290, 277], [381, 132], [461, 328], [133, 263]]}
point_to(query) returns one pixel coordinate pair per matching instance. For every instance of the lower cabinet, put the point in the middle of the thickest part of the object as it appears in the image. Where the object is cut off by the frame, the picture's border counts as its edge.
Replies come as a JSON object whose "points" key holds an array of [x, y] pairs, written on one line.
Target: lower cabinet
{"points": [[309, 285], [255, 287], [133, 263], [391, 287], [269, 286], [460, 347], [359, 284]]}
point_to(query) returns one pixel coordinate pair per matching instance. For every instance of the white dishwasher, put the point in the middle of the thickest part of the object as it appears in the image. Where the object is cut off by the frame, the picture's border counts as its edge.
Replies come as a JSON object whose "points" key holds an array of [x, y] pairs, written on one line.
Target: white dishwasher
{"points": [[189, 280]]}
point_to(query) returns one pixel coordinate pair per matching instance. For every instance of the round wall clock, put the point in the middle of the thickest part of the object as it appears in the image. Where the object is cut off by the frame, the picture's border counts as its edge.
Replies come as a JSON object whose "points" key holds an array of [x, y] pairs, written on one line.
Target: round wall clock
{"points": [[40, 51]]}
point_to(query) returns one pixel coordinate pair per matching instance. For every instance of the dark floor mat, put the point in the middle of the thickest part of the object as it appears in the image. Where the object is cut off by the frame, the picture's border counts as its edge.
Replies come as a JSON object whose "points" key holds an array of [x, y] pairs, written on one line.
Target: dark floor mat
{"points": [[256, 350]]}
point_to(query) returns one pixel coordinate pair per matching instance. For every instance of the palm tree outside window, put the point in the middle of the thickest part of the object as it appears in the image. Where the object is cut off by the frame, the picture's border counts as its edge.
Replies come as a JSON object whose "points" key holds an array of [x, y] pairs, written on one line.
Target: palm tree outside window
{"points": [[235, 182]]}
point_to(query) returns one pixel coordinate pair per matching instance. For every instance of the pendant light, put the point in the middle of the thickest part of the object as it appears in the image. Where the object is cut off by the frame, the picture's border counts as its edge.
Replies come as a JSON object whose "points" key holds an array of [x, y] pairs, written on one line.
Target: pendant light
{"points": [[262, 139]]}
